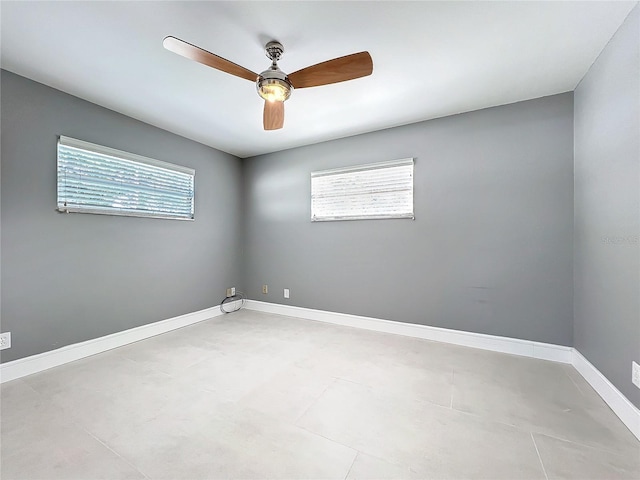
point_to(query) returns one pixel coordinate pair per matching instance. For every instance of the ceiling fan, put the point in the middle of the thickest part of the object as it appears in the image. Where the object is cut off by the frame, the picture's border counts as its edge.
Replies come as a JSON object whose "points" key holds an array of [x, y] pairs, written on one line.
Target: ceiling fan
{"points": [[273, 85]]}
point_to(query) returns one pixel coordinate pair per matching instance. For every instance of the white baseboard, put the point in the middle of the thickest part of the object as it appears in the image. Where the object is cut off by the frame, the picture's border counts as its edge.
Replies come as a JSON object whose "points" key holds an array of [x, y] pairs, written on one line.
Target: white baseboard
{"points": [[526, 348], [43, 361], [621, 406]]}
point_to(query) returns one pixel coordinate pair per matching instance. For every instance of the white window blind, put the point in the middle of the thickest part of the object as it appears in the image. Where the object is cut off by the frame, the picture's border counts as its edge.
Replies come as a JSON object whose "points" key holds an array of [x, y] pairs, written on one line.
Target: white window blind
{"points": [[374, 191], [97, 179]]}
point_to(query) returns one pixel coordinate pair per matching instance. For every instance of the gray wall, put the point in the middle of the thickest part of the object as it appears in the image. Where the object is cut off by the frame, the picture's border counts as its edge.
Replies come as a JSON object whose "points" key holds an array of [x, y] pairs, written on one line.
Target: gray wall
{"points": [[607, 209], [72, 277], [490, 249]]}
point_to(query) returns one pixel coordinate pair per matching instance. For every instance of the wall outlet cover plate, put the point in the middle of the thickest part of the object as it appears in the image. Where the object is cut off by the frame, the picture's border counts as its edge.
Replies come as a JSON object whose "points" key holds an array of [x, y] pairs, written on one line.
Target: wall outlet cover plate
{"points": [[5, 340]]}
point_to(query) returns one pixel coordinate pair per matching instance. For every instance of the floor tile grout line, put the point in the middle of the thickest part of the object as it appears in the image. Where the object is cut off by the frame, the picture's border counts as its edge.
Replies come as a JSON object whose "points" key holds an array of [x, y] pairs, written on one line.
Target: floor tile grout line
{"points": [[295, 422], [342, 379], [395, 463], [422, 401], [530, 428], [584, 445], [113, 451], [31, 387], [327, 438], [574, 382], [580, 389], [68, 417], [488, 419], [352, 463], [358, 451], [544, 470]]}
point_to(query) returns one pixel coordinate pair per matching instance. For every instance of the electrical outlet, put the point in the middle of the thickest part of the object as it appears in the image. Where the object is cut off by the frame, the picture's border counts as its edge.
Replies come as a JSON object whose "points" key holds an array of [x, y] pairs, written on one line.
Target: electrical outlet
{"points": [[265, 289], [286, 293], [635, 374], [231, 292], [5, 340]]}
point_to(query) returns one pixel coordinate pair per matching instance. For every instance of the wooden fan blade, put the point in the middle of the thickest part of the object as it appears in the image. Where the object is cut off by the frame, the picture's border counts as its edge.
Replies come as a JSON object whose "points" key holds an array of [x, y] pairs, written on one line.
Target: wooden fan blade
{"points": [[192, 52], [333, 71], [273, 117]]}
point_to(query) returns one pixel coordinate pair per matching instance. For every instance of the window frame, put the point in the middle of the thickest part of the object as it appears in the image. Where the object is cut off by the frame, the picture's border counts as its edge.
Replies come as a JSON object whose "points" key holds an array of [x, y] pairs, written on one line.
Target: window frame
{"points": [[362, 168], [120, 155]]}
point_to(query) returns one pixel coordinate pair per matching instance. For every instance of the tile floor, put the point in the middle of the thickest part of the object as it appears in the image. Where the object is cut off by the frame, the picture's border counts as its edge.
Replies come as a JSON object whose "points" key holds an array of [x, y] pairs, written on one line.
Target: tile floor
{"points": [[251, 395]]}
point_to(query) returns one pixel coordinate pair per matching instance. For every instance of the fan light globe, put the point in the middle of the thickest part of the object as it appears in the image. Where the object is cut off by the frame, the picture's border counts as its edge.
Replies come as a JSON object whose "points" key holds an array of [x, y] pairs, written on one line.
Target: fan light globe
{"points": [[274, 89]]}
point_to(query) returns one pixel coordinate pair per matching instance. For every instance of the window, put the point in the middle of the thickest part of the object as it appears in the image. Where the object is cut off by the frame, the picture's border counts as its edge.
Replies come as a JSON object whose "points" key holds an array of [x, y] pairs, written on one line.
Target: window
{"points": [[377, 190], [96, 179]]}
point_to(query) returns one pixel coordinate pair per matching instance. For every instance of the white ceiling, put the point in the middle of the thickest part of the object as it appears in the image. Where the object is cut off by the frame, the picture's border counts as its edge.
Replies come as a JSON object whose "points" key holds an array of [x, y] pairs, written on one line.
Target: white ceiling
{"points": [[431, 59]]}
